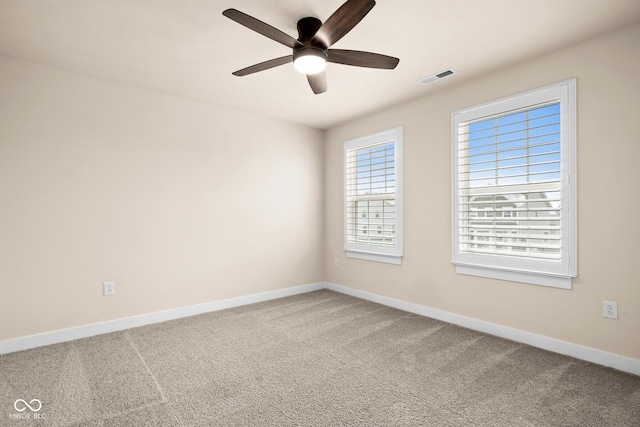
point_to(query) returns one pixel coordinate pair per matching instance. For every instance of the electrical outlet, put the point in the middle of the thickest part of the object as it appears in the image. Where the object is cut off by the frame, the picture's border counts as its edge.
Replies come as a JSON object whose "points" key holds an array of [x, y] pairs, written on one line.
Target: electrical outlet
{"points": [[610, 309], [336, 262], [108, 288]]}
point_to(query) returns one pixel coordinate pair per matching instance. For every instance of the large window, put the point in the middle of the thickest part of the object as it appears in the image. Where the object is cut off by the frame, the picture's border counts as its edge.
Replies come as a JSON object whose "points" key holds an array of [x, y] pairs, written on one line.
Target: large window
{"points": [[373, 197], [514, 187]]}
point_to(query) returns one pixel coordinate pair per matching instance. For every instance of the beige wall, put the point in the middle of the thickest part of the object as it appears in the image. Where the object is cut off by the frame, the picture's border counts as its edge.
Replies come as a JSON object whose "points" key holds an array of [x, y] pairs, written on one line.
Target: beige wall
{"points": [[178, 202], [608, 84]]}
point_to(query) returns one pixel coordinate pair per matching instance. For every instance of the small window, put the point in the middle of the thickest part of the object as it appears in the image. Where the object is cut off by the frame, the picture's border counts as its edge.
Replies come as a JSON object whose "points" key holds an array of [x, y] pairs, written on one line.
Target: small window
{"points": [[514, 167], [373, 187]]}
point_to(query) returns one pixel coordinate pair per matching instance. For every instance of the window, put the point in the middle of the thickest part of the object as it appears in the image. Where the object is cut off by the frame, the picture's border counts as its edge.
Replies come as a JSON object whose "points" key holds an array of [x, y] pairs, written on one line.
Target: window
{"points": [[373, 197], [514, 192]]}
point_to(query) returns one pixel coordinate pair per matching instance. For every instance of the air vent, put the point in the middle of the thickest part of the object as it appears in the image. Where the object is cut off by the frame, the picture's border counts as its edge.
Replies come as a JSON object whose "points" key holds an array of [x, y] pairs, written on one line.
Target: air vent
{"points": [[434, 77]]}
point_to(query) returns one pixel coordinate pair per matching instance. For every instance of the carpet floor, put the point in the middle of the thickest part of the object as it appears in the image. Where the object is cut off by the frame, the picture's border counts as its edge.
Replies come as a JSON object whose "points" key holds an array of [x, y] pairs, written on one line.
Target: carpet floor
{"points": [[316, 359]]}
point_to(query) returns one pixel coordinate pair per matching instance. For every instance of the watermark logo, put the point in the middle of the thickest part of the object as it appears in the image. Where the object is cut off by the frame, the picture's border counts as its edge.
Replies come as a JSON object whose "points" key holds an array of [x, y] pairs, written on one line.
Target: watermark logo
{"points": [[21, 405], [34, 406]]}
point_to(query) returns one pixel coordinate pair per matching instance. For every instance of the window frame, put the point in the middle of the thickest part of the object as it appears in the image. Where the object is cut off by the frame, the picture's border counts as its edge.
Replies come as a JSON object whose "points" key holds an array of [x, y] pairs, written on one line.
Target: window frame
{"points": [[370, 252], [557, 274]]}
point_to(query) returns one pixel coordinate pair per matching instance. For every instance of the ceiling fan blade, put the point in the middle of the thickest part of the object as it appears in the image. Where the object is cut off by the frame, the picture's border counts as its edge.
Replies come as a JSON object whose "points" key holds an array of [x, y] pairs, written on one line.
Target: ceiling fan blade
{"points": [[318, 82], [262, 28], [342, 21], [264, 65], [362, 59]]}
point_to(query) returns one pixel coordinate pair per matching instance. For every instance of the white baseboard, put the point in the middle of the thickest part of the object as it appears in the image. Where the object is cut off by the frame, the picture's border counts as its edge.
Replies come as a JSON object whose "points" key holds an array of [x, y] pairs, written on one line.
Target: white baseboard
{"points": [[588, 354], [63, 335]]}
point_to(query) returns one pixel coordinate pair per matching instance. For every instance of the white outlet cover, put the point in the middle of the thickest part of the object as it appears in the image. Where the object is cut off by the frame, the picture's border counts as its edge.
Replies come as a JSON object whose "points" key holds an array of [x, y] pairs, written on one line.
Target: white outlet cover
{"points": [[610, 309], [109, 288]]}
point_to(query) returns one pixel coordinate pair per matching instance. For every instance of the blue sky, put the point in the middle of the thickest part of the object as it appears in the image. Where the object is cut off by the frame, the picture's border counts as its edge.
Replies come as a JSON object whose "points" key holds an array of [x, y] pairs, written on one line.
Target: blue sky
{"points": [[375, 169], [504, 150]]}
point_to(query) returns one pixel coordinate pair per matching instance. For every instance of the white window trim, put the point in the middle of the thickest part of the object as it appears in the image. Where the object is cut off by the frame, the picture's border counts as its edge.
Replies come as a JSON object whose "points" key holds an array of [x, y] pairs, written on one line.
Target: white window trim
{"points": [[390, 255], [542, 273]]}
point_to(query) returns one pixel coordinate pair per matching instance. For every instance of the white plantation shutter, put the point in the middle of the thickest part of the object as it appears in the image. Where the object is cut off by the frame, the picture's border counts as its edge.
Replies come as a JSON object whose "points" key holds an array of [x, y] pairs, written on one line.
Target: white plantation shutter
{"points": [[372, 197], [509, 180], [514, 204], [371, 194]]}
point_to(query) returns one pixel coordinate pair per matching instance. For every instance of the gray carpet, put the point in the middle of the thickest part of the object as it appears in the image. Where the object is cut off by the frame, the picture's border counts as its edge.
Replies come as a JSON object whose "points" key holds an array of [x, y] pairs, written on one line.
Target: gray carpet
{"points": [[317, 359]]}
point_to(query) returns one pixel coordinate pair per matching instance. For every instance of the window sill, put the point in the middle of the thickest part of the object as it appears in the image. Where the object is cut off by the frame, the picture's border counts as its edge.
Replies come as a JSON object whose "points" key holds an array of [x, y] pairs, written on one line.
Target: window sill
{"points": [[377, 257], [562, 282]]}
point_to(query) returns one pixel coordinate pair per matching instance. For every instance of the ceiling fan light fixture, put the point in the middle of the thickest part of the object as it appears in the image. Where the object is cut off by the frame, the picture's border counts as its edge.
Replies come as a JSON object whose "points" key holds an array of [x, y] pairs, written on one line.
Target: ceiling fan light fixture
{"points": [[310, 60]]}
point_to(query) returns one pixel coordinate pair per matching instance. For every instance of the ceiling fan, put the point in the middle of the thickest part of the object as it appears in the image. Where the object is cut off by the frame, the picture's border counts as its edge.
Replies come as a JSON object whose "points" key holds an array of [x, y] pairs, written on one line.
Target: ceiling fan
{"points": [[311, 49]]}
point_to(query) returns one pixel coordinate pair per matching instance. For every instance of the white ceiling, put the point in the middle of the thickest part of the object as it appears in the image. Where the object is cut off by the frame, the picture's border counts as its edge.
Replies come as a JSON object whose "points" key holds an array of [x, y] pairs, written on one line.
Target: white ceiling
{"points": [[187, 48]]}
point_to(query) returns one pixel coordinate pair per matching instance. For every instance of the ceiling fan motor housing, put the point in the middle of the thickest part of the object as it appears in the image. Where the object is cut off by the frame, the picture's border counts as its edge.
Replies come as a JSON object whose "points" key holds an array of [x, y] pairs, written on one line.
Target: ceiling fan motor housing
{"points": [[307, 28]]}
